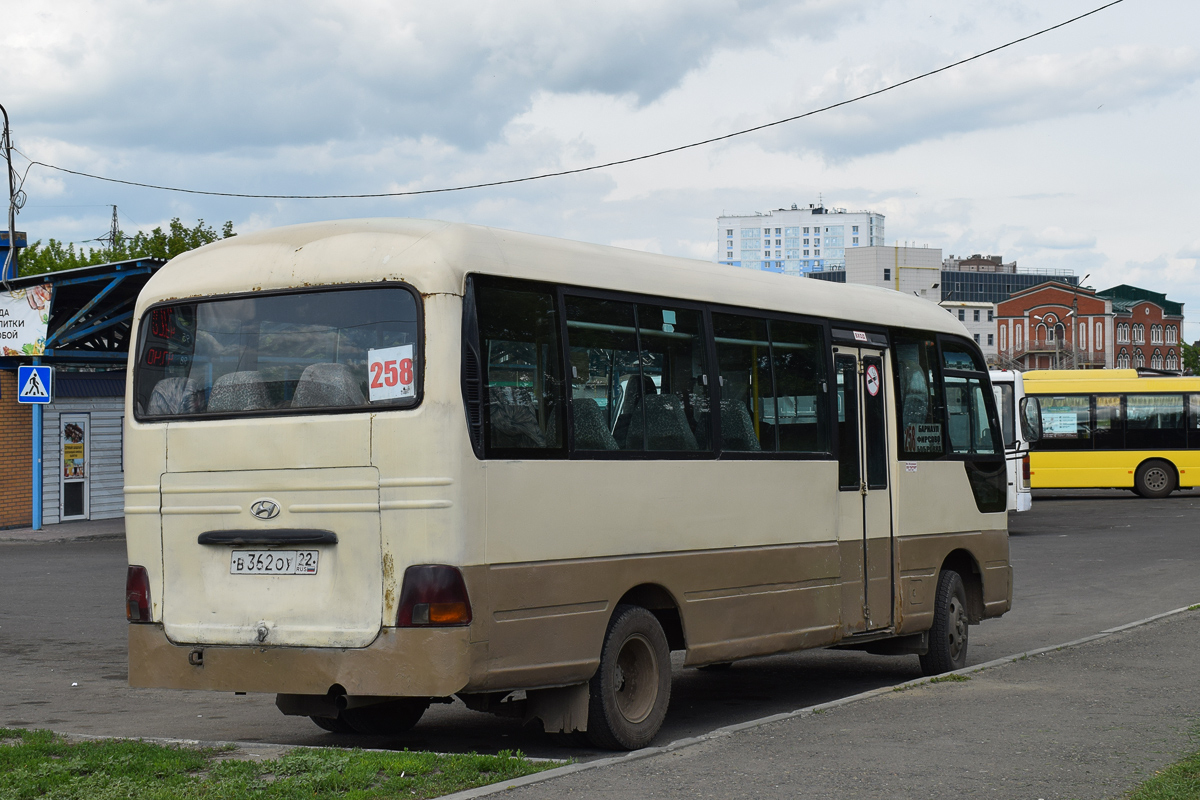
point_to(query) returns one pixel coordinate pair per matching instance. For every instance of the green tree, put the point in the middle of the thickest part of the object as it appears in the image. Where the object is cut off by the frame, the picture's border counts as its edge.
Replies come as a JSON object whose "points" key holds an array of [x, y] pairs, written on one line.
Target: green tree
{"points": [[54, 255], [1191, 356]]}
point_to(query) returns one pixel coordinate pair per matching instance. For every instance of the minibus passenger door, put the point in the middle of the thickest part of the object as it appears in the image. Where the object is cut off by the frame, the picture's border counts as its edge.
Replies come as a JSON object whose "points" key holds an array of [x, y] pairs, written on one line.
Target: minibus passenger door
{"points": [[866, 521]]}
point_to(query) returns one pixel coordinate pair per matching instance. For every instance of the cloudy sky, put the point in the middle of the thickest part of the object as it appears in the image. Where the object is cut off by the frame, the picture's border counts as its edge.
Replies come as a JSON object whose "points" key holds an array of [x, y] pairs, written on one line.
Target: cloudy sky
{"points": [[1074, 150]]}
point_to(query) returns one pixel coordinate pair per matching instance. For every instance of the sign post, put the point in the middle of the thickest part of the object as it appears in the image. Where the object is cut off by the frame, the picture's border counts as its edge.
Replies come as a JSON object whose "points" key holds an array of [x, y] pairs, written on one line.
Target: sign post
{"points": [[34, 385]]}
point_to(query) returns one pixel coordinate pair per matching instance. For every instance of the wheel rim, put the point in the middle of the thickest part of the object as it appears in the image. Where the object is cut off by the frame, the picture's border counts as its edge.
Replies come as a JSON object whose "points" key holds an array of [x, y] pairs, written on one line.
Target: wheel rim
{"points": [[957, 632], [1156, 479], [635, 679]]}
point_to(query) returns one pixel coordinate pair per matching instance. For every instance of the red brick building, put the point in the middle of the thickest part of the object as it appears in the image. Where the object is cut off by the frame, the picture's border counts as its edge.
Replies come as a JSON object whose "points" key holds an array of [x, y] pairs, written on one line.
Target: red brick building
{"points": [[1147, 329], [16, 457], [1055, 326]]}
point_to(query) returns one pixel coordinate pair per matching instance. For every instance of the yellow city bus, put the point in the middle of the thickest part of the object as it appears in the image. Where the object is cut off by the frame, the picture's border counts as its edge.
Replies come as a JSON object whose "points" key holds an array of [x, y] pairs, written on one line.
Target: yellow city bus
{"points": [[375, 464], [1114, 429]]}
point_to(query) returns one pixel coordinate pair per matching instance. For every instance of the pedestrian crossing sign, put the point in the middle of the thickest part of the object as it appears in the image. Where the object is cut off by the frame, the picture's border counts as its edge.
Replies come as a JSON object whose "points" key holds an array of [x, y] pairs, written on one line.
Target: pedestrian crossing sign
{"points": [[34, 383]]}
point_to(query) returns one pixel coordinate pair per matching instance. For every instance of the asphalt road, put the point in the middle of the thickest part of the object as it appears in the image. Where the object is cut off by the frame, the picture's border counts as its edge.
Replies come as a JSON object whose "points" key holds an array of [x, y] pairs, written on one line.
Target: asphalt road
{"points": [[1084, 561]]}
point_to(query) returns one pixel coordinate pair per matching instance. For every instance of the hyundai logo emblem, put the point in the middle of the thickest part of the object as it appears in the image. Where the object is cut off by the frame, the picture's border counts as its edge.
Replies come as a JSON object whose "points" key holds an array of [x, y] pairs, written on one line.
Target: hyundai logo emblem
{"points": [[265, 509]]}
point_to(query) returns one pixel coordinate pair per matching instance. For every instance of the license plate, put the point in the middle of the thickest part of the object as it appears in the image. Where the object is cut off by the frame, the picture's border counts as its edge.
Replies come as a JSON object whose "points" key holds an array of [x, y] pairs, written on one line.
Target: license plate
{"points": [[273, 562]]}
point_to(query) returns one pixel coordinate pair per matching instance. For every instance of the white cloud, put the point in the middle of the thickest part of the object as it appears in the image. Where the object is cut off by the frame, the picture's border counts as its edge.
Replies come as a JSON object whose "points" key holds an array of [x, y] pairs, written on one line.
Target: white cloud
{"points": [[222, 76], [1056, 238]]}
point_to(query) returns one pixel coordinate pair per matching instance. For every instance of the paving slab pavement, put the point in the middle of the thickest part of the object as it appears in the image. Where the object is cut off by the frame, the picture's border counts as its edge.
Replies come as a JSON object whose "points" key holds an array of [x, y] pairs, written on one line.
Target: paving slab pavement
{"points": [[1089, 721], [86, 530]]}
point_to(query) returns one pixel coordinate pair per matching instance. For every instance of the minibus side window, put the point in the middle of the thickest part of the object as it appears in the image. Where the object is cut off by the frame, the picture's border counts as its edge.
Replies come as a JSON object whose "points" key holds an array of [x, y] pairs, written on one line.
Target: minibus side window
{"points": [[638, 376], [970, 431], [607, 382], [773, 385], [746, 388], [800, 406], [918, 396], [522, 372]]}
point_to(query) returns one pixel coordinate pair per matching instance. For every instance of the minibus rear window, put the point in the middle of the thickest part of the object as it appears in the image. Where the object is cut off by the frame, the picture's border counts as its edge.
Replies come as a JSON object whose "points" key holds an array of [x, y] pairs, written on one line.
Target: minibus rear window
{"points": [[269, 354]]}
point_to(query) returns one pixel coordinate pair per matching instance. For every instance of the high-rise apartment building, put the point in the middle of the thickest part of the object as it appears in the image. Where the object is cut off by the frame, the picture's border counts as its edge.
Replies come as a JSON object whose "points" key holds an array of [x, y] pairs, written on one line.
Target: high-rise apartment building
{"points": [[796, 241]]}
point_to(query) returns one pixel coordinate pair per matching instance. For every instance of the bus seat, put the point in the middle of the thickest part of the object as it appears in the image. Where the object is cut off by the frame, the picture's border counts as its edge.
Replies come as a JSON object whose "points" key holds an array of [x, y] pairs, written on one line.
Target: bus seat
{"points": [[513, 417], [174, 396], [631, 404], [239, 391], [737, 429], [667, 426], [591, 432], [327, 384]]}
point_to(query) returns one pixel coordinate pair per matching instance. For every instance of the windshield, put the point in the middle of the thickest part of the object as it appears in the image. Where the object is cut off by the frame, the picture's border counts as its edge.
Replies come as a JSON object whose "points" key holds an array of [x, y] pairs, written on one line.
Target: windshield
{"points": [[342, 349]]}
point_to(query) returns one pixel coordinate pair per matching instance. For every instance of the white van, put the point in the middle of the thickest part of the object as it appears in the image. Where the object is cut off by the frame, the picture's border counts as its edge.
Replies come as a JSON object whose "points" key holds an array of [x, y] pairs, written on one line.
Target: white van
{"points": [[1009, 388]]}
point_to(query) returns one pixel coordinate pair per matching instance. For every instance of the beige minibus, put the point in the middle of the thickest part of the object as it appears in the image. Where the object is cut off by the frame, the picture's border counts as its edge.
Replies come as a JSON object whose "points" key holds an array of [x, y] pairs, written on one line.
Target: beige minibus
{"points": [[379, 463]]}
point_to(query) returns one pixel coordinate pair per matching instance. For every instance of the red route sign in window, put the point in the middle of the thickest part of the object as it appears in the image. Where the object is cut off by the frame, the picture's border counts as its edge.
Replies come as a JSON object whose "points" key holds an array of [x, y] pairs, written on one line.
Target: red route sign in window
{"points": [[392, 373]]}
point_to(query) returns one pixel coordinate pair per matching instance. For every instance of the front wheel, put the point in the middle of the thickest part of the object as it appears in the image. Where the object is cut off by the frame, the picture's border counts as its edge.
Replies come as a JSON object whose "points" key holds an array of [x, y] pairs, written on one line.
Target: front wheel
{"points": [[948, 636], [630, 692], [1154, 479]]}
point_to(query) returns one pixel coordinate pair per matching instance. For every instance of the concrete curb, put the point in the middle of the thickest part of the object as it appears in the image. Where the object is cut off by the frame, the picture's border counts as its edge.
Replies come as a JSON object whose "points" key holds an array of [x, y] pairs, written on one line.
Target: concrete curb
{"points": [[96, 537]]}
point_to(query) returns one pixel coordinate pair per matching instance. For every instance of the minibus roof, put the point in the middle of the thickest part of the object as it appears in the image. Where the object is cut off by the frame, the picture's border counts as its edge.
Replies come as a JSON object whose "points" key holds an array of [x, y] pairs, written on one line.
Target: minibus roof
{"points": [[435, 257]]}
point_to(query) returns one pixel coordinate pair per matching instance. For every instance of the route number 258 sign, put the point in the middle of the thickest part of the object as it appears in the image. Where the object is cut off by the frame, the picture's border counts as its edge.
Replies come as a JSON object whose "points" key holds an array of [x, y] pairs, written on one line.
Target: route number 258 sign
{"points": [[392, 372]]}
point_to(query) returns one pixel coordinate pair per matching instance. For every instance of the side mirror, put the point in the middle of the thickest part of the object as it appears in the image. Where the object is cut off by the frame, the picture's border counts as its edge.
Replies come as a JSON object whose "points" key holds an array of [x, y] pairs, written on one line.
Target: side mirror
{"points": [[1031, 419]]}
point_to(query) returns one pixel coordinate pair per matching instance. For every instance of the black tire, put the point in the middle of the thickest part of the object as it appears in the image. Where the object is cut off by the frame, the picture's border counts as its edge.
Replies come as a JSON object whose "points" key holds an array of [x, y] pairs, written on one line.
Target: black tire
{"points": [[949, 634], [332, 724], [386, 719], [1155, 478], [630, 691]]}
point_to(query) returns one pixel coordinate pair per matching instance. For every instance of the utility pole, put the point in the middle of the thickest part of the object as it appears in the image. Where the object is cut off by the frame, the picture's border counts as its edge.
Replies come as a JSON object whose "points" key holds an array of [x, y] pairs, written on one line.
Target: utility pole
{"points": [[10, 261]]}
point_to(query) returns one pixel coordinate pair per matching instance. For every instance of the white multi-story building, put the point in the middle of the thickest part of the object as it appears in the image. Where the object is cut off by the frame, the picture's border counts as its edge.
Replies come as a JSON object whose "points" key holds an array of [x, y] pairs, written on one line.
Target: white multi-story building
{"points": [[980, 321], [911, 270], [796, 241]]}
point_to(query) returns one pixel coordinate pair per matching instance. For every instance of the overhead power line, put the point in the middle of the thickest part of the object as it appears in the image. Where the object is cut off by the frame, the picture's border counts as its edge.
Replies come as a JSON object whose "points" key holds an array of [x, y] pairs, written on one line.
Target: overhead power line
{"points": [[593, 167]]}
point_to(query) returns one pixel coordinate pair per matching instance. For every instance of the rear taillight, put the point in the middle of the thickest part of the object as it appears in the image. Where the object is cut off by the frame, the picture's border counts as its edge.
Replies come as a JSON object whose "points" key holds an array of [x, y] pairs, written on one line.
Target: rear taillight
{"points": [[1025, 470], [433, 596], [137, 595]]}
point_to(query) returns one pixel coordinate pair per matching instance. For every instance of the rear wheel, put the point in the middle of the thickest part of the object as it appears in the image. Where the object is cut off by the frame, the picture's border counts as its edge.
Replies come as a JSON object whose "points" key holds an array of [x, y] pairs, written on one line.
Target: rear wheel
{"points": [[383, 719], [1154, 478], [948, 636], [630, 692]]}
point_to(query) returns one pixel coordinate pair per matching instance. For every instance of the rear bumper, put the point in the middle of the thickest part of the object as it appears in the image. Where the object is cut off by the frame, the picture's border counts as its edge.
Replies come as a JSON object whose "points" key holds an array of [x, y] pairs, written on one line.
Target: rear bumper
{"points": [[399, 663]]}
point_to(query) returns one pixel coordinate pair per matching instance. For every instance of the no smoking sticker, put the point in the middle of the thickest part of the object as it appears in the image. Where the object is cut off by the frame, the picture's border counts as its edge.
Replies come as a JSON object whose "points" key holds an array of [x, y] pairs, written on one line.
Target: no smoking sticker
{"points": [[872, 380]]}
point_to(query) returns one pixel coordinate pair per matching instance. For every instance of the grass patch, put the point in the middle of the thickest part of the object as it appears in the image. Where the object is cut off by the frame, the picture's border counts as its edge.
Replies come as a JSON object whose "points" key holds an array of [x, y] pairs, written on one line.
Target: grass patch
{"points": [[951, 678], [1193, 608], [39, 764], [1180, 781]]}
